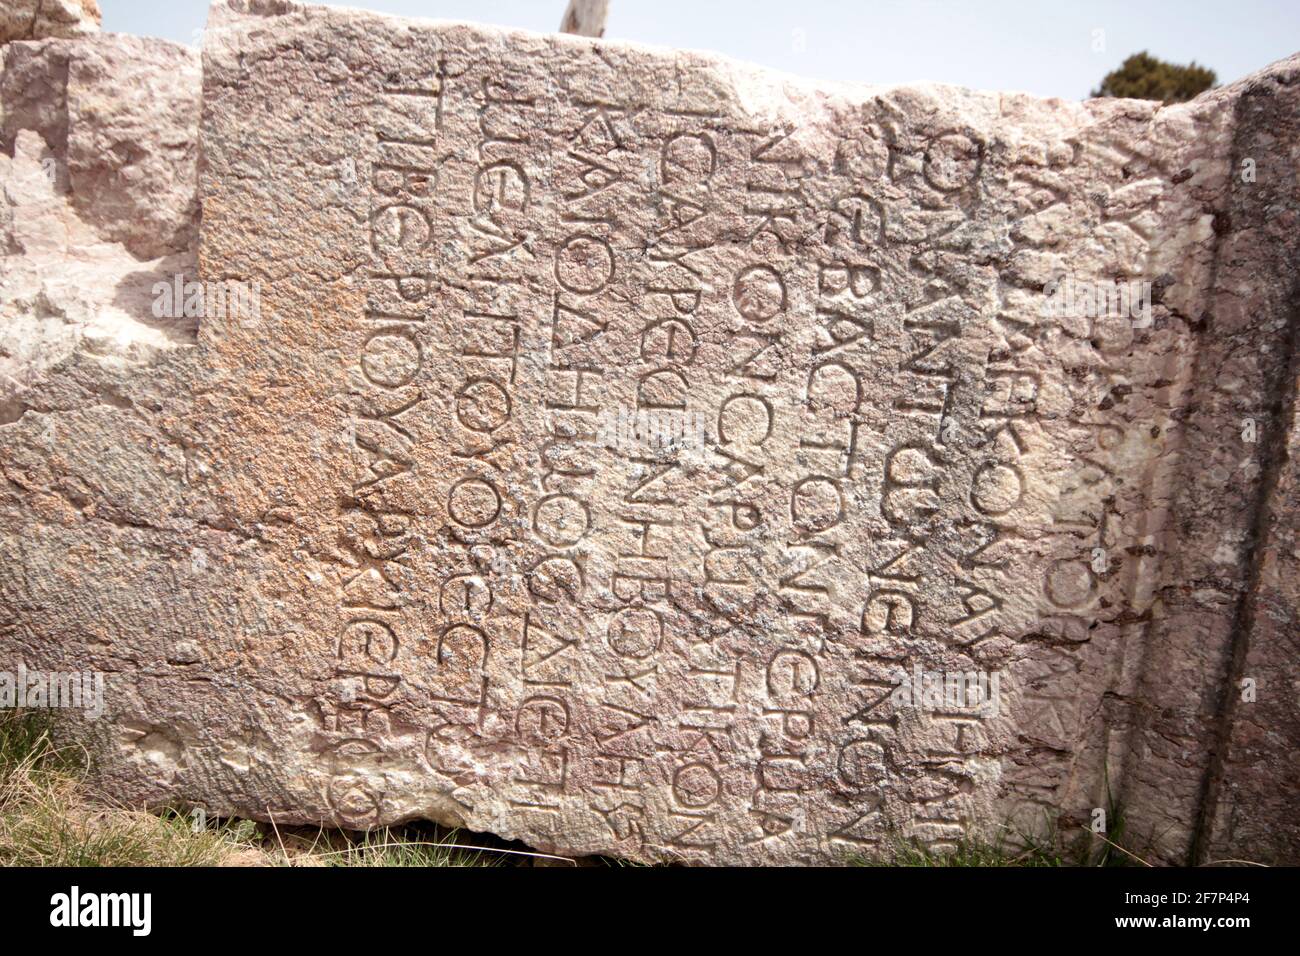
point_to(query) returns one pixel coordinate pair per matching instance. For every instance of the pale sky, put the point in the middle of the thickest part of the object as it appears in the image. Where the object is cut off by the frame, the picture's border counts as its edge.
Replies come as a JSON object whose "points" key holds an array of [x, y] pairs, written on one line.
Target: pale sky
{"points": [[1045, 47]]}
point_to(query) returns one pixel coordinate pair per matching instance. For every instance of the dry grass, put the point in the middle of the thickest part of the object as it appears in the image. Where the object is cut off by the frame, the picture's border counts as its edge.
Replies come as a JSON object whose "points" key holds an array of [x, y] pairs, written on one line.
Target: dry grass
{"points": [[46, 821], [47, 818]]}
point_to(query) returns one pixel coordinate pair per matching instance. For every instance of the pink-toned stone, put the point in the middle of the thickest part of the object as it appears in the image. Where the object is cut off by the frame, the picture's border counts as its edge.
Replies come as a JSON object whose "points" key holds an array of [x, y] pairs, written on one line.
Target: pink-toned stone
{"points": [[98, 163], [380, 550], [38, 19]]}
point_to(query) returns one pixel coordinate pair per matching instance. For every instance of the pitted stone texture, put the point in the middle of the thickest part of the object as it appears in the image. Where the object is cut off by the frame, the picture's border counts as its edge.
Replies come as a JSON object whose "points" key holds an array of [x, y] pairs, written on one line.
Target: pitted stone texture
{"points": [[100, 138], [375, 554], [38, 19], [1249, 807], [120, 115], [63, 289]]}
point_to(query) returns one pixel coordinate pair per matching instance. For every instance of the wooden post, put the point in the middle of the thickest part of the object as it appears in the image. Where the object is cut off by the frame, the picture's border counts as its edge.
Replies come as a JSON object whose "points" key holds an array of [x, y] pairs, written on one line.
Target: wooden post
{"points": [[585, 18]]}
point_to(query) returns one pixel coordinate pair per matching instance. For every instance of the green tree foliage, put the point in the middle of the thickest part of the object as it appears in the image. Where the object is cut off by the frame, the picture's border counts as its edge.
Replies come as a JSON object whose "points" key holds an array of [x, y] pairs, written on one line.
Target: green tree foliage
{"points": [[1144, 77]]}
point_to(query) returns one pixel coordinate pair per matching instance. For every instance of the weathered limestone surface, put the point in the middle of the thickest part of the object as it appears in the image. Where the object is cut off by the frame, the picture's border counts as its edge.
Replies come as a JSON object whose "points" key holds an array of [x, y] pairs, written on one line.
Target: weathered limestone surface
{"points": [[38, 19], [369, 555], [1250, 799], [98, 167]]}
